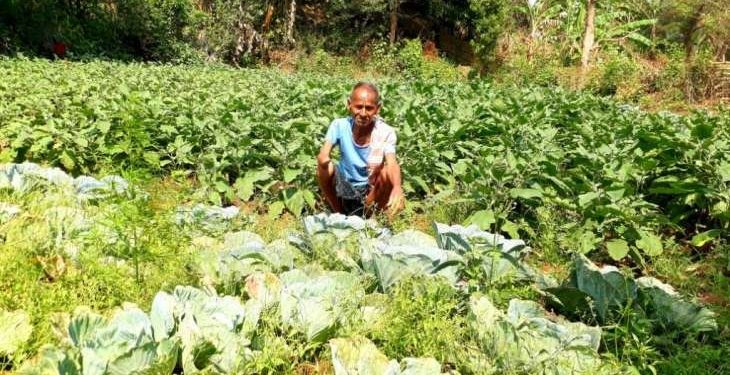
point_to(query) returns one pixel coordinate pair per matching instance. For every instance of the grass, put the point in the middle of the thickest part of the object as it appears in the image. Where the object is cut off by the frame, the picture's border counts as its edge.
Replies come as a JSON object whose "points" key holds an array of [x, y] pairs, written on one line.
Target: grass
{"points": [[420, 320]]}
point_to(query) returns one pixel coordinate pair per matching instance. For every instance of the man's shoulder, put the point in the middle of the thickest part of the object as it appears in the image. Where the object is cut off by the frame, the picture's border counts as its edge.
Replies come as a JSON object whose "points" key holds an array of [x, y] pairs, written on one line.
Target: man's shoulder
{"points": [[341, 122], [383, 127]]}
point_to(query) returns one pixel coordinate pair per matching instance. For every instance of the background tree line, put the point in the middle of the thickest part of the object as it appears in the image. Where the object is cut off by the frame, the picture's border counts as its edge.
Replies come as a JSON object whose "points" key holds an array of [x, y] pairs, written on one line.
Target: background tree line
{"points": [[542, 41]]}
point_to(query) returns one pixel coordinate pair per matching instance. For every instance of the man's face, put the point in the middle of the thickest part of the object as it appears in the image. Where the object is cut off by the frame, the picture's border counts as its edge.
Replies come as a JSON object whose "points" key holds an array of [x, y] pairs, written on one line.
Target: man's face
{"points": [[363, 105]]}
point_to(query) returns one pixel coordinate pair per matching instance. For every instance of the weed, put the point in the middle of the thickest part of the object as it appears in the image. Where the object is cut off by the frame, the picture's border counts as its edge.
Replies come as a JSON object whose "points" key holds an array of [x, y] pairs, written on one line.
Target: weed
{"points": [[421, 320]]}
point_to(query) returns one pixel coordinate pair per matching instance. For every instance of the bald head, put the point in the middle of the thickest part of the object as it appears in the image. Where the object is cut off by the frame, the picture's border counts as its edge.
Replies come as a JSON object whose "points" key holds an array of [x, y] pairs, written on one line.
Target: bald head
{"points": [[367, 89], [364, 104]]}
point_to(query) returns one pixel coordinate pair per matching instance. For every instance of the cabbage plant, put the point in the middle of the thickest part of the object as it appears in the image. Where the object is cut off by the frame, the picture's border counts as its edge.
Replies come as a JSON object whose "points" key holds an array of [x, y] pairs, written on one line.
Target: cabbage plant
{"points": [[228, 263], [212, 219], [358, 355], [607, 291], [24, 177], [213, 331], [15, 331], [317, 304], [499, 259], [95, 345], [339, 225], [390, 259], [525, 339], [188, 329]]}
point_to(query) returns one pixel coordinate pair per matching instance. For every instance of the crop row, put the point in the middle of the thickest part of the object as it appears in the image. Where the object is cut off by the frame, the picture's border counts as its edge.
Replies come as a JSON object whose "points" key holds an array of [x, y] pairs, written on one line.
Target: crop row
{"points": [[618, 176], [331, 285]]}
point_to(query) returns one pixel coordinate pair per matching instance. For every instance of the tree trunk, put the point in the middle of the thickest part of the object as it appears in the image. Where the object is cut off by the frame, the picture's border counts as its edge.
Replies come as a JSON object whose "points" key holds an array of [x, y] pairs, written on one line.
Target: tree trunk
{"points": [[248, 40], [393, 20], [289, 38], [267, 18], [653, 34], [690, 50], [588, 37]]}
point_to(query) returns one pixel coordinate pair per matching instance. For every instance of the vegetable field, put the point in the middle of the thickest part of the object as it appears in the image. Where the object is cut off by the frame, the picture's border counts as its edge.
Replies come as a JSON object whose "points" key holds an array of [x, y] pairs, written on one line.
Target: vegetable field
{"points": [[160, 219]]}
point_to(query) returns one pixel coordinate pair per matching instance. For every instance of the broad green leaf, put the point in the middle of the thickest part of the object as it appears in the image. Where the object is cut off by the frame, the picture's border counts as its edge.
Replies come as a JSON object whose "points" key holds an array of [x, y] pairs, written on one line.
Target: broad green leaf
{"points": [[617, 249], [103, 126], [422, 184], [636, 37], [703, 130], [244, 189], [81, 141], [703, 238], [510, 228], [67, 160], [585, 199], [215, 197], [309, 198], [526, 193], [291, 174], [294, 201], [616, 194], [244, 186], [83, 325], [221, 186], [152, 158], [724, 169], [609, 289], [482, 218], [586, 240], [650, 243], [721, 210], [672, 310], [275, 209]]}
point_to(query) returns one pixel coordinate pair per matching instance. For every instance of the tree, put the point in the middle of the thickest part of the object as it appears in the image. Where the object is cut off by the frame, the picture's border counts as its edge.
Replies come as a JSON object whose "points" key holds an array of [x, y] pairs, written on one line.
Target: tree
{"points": [[290, 21], [393, 5], [489, 23], [588, 36], [693, 19], [541, 14], [718, 33]]}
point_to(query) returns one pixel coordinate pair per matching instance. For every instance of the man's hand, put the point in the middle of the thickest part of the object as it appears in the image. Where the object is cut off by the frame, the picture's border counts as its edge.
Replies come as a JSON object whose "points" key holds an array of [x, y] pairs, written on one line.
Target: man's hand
{"points": [[396, 200]]}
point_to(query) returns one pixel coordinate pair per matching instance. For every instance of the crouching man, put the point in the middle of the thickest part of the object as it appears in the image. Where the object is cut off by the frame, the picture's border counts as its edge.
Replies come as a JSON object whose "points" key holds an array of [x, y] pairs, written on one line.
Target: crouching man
{"points": [[367, 177]]}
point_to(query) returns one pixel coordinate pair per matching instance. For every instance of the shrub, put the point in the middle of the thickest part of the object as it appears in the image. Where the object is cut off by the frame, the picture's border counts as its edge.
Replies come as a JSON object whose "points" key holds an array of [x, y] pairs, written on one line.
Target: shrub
{"points": [[410, 58], [678, 80], [523, 65], [322, 62], [414, 65], [489, 22], [382, 58], [616, 74]]}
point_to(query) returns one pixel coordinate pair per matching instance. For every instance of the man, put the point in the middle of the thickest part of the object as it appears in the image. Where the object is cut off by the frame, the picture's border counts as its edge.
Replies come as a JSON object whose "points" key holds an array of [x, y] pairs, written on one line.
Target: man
{"points": [[368, 176]]}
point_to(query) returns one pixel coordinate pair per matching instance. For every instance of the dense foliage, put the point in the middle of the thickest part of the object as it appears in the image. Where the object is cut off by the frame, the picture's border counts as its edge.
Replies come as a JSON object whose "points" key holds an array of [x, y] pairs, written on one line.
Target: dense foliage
{"points": [[618, 177]]}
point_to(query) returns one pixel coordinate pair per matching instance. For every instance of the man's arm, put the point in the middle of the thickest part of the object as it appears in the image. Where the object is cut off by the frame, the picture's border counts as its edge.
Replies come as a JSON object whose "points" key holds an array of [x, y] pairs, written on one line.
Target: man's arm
{"points": [[323, 159], [392, 169], [326, 174]]}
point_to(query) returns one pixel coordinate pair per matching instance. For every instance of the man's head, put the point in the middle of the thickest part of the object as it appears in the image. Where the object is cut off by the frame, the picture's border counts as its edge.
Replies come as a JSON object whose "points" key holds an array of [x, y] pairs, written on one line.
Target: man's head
{"points": [[364, 103]]}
